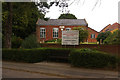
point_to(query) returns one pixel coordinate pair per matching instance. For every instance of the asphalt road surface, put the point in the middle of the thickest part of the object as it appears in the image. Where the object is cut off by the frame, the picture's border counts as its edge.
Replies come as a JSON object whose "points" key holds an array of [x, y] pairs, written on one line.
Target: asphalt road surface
{"points": [[51, 70]]}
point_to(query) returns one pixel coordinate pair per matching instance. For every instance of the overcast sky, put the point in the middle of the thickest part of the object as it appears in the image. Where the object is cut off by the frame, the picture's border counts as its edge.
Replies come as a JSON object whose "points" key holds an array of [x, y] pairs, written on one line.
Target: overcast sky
{"points": [[105, 12]]}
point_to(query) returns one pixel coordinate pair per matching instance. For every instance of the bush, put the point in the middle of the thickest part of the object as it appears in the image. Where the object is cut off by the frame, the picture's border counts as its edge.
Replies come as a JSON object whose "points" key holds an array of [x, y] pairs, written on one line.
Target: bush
{"points": [[77, 57], [59, 40], [16, 42], [113, 38], [50, 41], [54, 41], [36, 55], [24, 55], [83, 34], [58, 54], [102, 36], [90, 58], [30, 42]]}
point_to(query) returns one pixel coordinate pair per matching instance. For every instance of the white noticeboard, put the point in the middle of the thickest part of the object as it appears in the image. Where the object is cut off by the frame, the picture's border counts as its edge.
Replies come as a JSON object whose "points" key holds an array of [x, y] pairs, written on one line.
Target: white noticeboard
{"points": [[70, 37]]}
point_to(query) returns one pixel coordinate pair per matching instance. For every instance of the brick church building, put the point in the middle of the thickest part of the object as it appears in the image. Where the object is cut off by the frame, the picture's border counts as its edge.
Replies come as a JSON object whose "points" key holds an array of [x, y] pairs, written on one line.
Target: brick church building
{"points": [[52, 29]]}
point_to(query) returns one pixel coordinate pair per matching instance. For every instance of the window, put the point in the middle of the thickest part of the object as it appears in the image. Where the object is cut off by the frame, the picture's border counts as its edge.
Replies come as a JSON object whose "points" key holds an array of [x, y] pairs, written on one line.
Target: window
{"points": [[106, 30], [92, 35], [68, 29], [55, 32], [42, 32]]}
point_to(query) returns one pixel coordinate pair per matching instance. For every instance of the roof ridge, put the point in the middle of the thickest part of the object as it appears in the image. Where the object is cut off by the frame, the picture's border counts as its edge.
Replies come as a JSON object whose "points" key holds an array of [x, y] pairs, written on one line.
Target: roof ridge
{"points": [[93, 29], [67, 22]]}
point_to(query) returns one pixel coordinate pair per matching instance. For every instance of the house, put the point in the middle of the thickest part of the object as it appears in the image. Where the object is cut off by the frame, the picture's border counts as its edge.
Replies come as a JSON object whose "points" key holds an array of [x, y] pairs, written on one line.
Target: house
{"points": [[111, 28], [92, 35], [52, 29]]}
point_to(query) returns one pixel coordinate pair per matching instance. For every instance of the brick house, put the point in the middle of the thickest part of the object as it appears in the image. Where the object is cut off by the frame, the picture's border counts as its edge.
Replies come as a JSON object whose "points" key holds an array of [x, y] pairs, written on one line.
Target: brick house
{"points": [[92, 35], [111, 28], [52, 29]]}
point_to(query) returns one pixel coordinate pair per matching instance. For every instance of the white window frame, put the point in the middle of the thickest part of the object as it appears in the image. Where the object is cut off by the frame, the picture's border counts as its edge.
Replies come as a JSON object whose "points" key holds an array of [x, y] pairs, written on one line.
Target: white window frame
{"points": [[43, 33], [92, 36], [67, 29], [55, 33]]}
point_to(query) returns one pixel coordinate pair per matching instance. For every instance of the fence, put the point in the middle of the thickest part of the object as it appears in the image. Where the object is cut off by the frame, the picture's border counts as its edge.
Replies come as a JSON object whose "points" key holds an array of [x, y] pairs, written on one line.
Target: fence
{"points": [[114, 49]]}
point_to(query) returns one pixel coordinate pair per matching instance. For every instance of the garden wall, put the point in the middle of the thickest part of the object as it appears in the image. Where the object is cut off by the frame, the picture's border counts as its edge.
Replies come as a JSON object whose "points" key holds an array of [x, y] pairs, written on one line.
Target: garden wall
{"points": [[114, 49]]}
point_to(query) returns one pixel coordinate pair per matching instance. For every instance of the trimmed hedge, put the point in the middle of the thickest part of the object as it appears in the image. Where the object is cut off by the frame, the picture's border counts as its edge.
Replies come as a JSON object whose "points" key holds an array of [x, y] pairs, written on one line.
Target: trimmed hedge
{"points": [[90, 58], [24, 55], [77, 57], [58, 54], [36, 55]]}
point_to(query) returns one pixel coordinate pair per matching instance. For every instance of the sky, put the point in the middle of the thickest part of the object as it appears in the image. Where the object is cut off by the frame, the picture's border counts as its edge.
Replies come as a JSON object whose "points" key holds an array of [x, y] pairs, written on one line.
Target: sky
{"points": [[105, 12]]}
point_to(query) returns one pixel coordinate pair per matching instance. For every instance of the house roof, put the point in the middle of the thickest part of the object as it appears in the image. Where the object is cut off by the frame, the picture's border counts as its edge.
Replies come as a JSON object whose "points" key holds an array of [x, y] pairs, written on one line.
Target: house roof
{"points": [[64, 22], [111, 27], [93, 30], [105, 27]]}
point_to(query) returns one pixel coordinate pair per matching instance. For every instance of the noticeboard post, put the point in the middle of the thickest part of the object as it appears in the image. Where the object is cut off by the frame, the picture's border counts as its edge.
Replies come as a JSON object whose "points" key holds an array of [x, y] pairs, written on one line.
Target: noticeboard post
{"points": [[70, 37]]}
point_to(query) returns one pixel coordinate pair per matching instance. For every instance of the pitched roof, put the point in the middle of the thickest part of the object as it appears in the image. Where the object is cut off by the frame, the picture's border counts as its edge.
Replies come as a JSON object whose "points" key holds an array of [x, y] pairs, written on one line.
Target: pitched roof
{"points": [[105, 27], [64, 22], [111, 27], [92, 29]]}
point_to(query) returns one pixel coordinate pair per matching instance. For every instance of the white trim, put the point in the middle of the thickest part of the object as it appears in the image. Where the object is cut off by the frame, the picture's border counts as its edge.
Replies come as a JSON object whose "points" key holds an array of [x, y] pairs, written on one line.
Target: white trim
{"points": [[43, 31], [55, 31]]}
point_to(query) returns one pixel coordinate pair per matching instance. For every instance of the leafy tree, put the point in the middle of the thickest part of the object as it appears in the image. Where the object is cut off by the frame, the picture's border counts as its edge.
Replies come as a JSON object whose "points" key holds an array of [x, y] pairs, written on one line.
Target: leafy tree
{"points": [[67, 16], [22, 17], [25, 16], [102, 36], [19, 19], [113, 38], [83, 34]]}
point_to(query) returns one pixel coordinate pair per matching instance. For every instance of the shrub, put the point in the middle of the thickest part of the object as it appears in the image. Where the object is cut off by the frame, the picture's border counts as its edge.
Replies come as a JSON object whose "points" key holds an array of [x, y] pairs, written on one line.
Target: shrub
{"points": [[54, 41], [102, 36], [59, 40], [114, 38], [30, 42], [78, 57], [90, 58], [58, 54], [83, 34], [49, 41], [16, 42], [36, 55], [24, 55]]}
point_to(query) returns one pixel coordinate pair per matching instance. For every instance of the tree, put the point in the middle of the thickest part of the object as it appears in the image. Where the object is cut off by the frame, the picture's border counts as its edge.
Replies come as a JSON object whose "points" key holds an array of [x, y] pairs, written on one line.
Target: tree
{"points": [[22, 23], [25, 16], [113, 38], [83, 34], [24, 28], [67, 16], [102, 36], [8, 26]]}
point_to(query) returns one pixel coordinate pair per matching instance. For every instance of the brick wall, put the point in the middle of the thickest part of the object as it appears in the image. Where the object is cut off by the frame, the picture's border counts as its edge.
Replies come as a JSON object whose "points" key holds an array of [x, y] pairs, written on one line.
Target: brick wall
{"points": [[91, 31], [49, 32]]}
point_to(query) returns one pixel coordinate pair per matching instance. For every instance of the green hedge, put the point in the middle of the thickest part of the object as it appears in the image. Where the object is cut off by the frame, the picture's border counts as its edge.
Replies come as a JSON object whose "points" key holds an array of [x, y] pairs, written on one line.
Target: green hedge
{"points": [[35, 55], [90, 58], [24, 55], [77, 57], [58, 54]]}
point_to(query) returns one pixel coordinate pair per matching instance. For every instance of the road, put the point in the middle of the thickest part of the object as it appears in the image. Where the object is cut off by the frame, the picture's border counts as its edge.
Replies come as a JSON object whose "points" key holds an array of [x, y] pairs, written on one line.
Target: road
{"points": [[51, 70]]}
